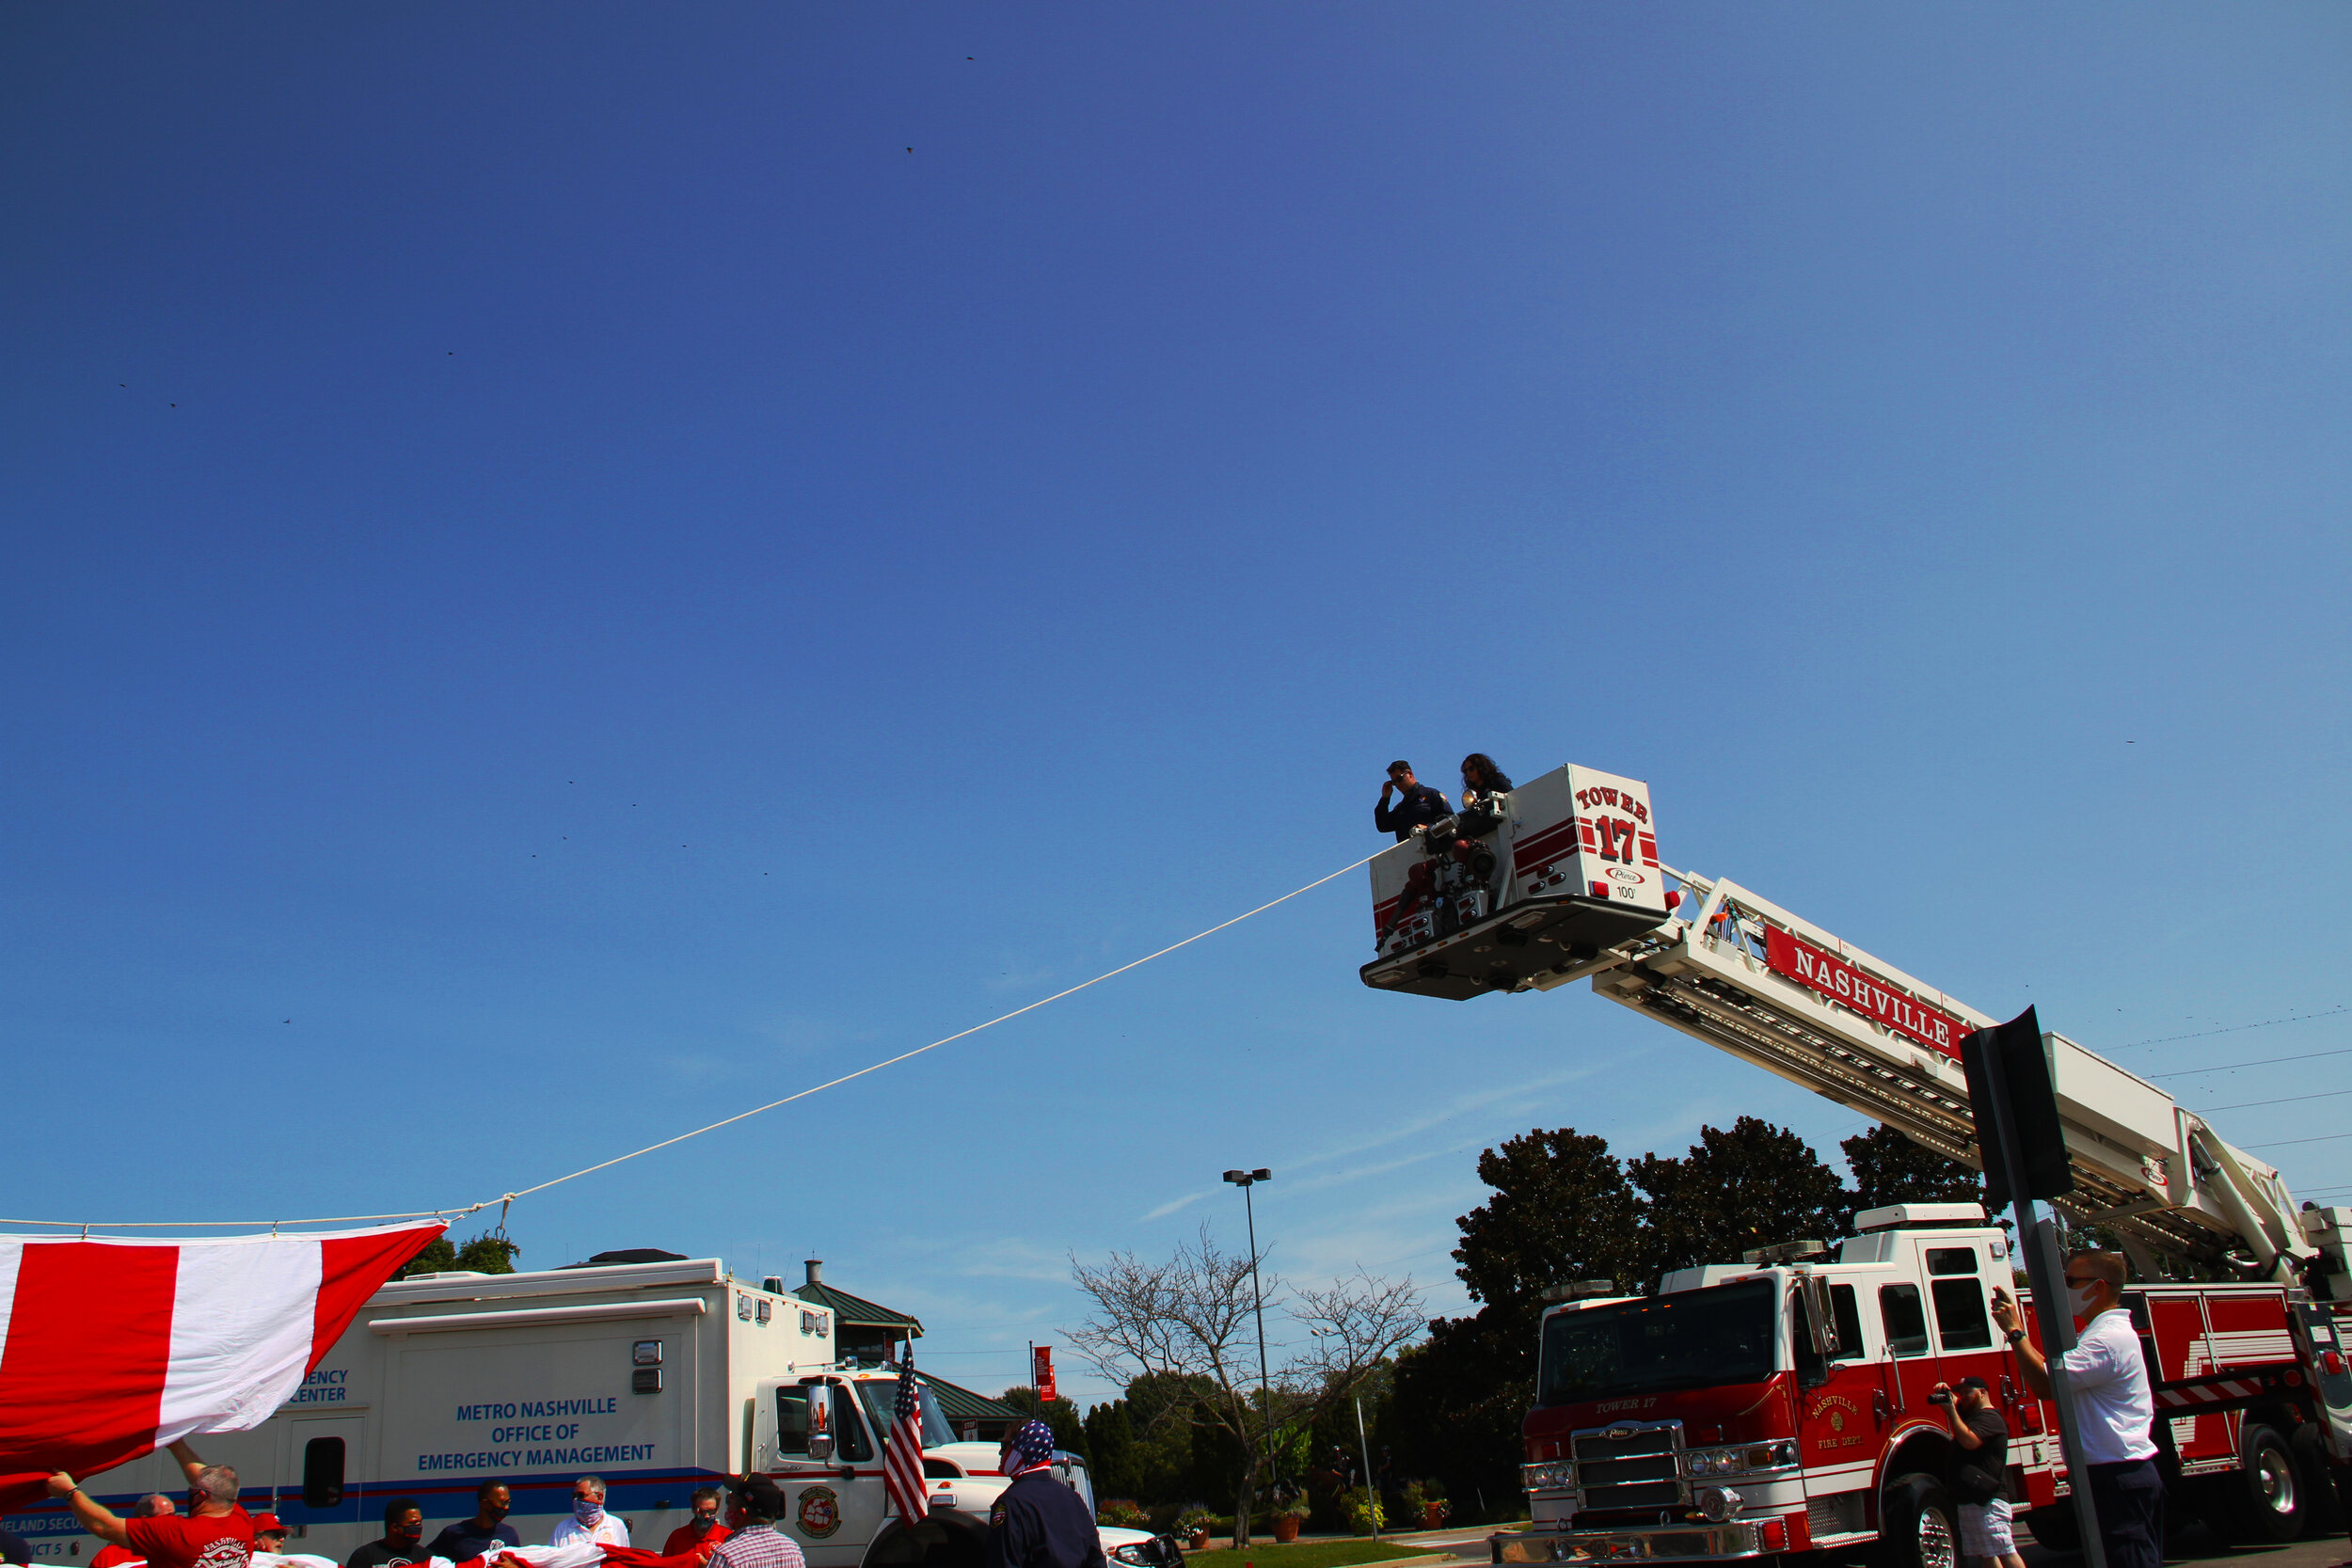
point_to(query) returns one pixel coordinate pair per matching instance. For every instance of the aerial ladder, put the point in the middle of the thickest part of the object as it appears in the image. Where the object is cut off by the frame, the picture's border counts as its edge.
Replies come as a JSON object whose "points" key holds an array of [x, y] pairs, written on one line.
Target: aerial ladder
{"points": [[1560, 880]]}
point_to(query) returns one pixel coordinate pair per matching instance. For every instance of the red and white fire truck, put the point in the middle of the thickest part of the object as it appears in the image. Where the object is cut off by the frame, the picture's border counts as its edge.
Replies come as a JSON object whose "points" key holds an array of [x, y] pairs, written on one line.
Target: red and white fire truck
{"points": [[1779, 1404]]}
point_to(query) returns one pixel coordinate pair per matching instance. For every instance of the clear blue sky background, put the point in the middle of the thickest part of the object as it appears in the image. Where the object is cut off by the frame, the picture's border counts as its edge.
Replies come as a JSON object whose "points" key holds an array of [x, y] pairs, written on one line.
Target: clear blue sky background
{"points": [[558, 581]]}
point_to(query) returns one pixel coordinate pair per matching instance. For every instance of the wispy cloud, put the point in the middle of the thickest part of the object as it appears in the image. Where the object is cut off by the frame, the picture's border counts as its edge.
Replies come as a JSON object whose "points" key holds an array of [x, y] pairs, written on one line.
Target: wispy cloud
{"points": [[1173, 1204], [1460, 1105], [1412, 1126]]}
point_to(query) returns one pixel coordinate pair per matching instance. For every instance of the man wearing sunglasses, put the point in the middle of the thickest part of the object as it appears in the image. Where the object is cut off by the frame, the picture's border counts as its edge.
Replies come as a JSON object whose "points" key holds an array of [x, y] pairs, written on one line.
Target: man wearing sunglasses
{"points": [[2111, 1400]]}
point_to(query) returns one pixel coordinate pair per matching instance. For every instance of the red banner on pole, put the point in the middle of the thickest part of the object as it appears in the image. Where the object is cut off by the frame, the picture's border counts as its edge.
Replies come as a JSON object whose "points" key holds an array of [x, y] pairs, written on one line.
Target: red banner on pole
{"points": [[1041, 1370]]}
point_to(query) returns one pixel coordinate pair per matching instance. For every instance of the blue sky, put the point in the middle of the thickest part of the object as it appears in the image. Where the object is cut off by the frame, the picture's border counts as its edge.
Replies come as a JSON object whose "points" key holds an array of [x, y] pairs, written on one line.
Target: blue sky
{"points": [[569, 570]]}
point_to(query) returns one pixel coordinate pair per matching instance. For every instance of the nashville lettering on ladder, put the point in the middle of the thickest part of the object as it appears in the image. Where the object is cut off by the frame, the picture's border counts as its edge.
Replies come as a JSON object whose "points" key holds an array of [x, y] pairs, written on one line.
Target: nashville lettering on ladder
{"points": [[1848, 987]]}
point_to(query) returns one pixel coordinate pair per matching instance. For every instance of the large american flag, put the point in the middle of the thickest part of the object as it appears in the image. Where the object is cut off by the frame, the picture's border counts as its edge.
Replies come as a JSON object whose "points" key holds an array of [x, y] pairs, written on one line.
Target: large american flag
{"points": [[902, 1450]]}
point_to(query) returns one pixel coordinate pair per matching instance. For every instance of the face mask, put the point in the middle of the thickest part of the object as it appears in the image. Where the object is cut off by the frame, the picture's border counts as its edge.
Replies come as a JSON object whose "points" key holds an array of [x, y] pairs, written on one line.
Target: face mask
{"points": [[494, 1511], [2079, 1298], [702, 1522], [587, 1509], [407, 1535]]}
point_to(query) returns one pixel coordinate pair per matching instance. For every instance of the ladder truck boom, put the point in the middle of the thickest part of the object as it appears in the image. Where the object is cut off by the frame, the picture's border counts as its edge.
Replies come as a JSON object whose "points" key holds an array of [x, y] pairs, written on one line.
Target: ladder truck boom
{"points": [[1785, 1402], [1541, 891]]}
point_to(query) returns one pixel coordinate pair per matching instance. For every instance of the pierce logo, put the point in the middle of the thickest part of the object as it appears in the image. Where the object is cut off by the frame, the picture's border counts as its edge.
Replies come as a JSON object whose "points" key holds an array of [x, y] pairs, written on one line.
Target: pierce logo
{"points": [[1621, 873]]}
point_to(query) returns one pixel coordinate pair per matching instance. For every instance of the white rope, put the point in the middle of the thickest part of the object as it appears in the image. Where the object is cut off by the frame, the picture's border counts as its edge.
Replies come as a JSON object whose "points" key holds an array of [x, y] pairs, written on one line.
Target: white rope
{"points": [[464, 1209]]}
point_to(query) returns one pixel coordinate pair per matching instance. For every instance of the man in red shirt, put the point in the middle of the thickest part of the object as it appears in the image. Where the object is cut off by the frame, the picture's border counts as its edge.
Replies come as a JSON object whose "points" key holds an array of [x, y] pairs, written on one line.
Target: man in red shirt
{"points": [[155, 1505], [703, 1530], [214, 1534]]}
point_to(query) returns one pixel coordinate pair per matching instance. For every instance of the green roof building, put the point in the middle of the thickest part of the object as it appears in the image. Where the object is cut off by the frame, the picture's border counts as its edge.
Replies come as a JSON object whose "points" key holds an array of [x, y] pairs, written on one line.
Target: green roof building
{"points": [[870, 1333]]}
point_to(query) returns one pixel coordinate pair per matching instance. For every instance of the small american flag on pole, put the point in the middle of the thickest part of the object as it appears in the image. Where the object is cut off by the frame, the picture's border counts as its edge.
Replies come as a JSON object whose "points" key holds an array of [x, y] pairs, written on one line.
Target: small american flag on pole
{"points": [[902, 1450]]}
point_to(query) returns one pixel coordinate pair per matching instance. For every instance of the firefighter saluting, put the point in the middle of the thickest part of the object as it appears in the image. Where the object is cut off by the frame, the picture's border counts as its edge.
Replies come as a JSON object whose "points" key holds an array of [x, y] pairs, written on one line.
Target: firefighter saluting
{"points": [[1037, 1522]]}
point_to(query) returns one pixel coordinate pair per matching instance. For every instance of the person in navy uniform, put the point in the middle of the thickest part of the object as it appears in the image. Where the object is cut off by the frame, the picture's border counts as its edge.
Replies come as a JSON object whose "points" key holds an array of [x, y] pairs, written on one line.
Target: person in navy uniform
{"points": [[1037, 1522], [1420, 806]]}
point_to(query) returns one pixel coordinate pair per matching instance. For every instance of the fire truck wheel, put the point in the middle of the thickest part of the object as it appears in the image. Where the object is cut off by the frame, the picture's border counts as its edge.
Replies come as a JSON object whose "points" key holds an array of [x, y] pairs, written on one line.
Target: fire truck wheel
{"points": [[2265, 1497], [2323, 1510], [1918, 1528]]}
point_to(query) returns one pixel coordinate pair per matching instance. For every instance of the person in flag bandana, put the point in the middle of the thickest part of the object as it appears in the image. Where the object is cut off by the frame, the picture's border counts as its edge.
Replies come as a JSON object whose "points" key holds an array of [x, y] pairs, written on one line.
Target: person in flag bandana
{"points": [[1037, 1522]]}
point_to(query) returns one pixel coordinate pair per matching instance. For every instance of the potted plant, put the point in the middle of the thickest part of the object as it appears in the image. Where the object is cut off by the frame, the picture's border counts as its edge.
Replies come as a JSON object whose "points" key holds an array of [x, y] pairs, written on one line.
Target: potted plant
{"points": [[1425, 1500], [1192, 1526], [1289, 1517]]}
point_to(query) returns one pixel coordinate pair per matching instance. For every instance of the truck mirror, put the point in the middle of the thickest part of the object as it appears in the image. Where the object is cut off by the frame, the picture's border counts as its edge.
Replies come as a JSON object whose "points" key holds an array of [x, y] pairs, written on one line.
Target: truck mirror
{"points": [[1821, 1322], [819, 1421]]}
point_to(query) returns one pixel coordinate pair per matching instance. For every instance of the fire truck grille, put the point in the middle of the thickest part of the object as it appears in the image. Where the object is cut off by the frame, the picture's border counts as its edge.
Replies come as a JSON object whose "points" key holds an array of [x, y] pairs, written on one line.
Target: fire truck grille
{"points": [[1629, 1467]]}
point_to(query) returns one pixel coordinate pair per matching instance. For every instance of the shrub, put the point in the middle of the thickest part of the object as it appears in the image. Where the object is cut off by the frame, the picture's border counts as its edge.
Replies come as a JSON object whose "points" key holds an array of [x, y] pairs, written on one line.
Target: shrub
{"points": [[1119, 1514], [1418, 1496], [1361, 1506]]}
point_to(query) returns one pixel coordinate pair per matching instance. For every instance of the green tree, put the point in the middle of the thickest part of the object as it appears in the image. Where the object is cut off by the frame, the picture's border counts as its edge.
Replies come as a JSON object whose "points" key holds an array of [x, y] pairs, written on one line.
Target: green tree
{"points": [[1890, 1169], [1111, 1455], [484, 1254], [1562, 1209], [1739, 1188], [1460, 1396]]}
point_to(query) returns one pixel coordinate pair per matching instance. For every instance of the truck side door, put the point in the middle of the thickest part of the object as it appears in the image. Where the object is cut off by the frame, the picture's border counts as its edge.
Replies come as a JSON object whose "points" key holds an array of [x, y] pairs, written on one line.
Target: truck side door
{"points": [[1838, 1424], [834, 1505], [1911, 1367]]}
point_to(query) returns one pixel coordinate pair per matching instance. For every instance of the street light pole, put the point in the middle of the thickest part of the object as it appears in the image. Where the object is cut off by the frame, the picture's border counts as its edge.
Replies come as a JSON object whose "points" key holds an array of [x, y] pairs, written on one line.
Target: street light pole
{"points": [[1246, 1179]]}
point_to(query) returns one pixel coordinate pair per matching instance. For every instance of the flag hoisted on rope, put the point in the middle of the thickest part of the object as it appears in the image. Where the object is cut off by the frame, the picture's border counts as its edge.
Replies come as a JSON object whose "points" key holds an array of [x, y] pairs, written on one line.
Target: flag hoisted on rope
{"points": [[902, 1450], [112, 1349]]}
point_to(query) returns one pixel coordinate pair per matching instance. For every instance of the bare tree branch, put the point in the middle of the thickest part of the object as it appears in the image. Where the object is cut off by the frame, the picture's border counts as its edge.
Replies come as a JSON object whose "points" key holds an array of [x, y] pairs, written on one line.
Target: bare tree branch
{"points": [[1191, 1320]]}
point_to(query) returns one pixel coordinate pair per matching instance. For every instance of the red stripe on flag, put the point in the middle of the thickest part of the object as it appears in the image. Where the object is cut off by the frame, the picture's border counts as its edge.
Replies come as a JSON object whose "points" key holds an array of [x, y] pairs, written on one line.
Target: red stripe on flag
{"points": [[81, 1379], [352, 1269]]}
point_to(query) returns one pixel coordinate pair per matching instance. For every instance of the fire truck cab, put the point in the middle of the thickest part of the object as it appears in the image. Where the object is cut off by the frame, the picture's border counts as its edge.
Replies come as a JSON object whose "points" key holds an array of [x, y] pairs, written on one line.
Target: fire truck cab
{"points": [[1776, 1405]]}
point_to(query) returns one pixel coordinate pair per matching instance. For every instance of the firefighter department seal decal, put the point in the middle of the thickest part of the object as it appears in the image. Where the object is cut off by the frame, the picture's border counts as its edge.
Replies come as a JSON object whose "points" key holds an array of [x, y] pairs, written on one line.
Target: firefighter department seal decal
{"points": [[820, 1512]]}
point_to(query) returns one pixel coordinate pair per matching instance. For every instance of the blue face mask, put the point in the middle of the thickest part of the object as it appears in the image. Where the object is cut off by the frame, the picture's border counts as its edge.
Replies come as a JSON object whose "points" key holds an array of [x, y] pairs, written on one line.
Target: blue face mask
{"points": [[587, 1509]]}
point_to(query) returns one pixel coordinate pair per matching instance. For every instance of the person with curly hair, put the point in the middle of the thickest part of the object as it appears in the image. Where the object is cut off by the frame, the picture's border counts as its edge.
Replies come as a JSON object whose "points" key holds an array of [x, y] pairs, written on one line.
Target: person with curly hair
{"points": [[1482, 779]]}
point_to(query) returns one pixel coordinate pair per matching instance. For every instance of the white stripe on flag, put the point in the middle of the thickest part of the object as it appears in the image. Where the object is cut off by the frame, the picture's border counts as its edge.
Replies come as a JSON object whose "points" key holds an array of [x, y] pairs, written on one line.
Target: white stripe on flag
{"points": [[241, 1322], [11, 1255]]}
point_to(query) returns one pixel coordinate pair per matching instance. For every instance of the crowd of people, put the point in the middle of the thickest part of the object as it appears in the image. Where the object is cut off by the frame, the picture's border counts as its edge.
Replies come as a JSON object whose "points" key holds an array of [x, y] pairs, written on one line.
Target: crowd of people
{"points": [[216, 1531], [1036, 1523]]}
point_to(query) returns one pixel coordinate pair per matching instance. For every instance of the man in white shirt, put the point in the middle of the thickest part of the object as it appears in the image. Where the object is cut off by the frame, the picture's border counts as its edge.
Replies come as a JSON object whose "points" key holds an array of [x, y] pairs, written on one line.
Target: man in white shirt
{"points": [[2112, 1401], [589, 1521]]}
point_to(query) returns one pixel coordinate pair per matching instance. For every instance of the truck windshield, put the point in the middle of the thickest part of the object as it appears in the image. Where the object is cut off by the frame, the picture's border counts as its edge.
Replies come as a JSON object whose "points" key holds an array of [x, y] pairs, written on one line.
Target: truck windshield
{"points": [[1725, 1333], [882, 1406]]}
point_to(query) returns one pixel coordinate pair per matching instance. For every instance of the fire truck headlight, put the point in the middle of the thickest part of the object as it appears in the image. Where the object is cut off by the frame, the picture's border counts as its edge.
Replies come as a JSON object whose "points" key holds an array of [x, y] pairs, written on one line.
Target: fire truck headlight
{"points": [[1553, 1477], [1715, 1503], [1771, 1456], [1711, 1462]]}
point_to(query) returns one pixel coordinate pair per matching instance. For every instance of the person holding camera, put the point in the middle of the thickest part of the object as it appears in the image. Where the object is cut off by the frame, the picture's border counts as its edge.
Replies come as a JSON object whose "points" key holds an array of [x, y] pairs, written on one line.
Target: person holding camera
{"points": [[1980, 1472]]}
